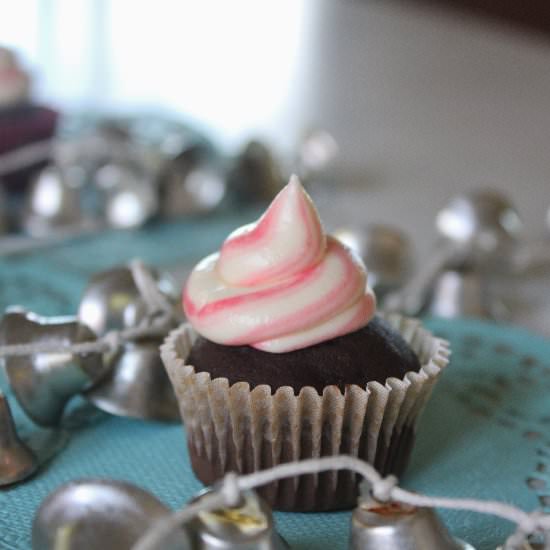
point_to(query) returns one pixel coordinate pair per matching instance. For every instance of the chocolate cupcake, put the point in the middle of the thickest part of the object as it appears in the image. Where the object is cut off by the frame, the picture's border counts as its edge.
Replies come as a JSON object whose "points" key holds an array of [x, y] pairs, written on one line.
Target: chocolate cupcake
{"points": [[284, 359]]}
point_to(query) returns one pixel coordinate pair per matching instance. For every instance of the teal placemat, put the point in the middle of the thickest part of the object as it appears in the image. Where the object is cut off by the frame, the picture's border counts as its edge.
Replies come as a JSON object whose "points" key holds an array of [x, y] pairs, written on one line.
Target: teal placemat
{"points": [[485, 433]]}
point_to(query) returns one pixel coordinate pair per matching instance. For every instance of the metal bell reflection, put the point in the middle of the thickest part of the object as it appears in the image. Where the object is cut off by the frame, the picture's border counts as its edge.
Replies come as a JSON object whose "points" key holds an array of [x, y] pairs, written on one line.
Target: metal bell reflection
{"points": [[51, 203], [192, 183], [3, 210], [130, 196], [461, 293], [136, 385], [44, 382], [317, 151], [394, 526], [386, 251], [255, 175], [99, 514], [17, 461], [248, 526]]}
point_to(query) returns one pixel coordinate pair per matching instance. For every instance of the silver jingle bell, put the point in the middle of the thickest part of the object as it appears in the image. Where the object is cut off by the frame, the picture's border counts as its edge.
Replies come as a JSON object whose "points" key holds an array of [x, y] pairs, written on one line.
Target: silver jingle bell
{"points": [[99, 514], [44, 382], [376, 525], [192, 183], [461, 293], [248, 526], [136, 385], [386, 251], [485, 224], [113, 301], [17, 461], [129, 193], [255, 175], [51, 204]]}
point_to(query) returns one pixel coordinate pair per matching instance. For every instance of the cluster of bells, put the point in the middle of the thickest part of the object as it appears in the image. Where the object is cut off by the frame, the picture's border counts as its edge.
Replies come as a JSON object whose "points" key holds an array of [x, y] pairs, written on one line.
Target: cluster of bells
{"points": [[108, 178], [115, 515], [130, 381], [479, 241]]}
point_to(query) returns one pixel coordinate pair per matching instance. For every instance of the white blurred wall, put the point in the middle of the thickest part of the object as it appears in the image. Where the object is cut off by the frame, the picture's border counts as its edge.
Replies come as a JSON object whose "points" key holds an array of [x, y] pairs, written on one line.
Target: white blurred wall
{"points": [[234, 66]]}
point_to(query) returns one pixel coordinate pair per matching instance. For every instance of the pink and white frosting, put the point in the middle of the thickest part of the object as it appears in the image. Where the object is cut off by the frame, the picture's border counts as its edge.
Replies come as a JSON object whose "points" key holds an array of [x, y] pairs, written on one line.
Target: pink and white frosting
{"points": [[279, 284], [14, 82]]}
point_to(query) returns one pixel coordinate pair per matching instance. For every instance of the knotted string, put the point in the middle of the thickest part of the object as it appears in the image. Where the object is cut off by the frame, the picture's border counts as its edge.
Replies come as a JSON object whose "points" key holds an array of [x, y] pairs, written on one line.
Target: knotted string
{"points": [[382, 488]]}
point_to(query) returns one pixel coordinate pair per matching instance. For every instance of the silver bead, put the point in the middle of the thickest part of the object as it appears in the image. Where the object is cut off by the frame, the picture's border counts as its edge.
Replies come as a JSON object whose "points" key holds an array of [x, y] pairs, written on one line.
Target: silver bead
{"points": [[17, 461], [44, 382]]}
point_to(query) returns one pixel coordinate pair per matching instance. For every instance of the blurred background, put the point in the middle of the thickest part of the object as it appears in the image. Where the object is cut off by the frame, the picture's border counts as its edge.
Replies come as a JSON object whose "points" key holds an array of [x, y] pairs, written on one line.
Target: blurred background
{"points": [[417, 96], [386, 109]]}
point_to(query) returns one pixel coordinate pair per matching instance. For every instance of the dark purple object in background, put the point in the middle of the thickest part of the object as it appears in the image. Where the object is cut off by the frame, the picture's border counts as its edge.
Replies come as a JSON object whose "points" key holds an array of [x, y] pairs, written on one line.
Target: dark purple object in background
{"points": [[20, 126]]}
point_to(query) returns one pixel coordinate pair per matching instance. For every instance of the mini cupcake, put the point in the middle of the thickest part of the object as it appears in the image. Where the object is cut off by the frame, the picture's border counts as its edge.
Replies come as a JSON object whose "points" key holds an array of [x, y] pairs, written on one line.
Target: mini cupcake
{"points": [[284, 359]]}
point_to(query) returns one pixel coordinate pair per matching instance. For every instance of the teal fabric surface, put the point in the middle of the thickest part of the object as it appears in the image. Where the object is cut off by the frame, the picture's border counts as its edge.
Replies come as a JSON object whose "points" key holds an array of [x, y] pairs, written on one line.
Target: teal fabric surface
{"points": [[485, 433]]}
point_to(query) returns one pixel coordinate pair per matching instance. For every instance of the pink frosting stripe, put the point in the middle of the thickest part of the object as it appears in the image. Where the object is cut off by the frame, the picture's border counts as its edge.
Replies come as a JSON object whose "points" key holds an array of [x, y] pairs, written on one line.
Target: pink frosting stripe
{"points": [[250, 255], [294, 297], [345, 290], [363, 309]]}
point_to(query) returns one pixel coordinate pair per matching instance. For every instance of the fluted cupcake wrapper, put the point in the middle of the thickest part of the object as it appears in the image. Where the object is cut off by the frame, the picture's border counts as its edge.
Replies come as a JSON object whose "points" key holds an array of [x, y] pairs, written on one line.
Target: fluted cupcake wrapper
{"points": [[234, 428]]}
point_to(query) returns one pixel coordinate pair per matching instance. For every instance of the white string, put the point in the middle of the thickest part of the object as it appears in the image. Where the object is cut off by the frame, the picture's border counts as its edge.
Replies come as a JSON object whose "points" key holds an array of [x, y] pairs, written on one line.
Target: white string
{"points": [[155, 300], [382, 488], [109, 342]]}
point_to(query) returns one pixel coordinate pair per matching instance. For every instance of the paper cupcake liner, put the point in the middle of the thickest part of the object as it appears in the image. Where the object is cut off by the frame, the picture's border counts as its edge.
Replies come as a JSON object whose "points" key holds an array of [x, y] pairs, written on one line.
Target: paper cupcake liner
{"points": [[234, 428]]}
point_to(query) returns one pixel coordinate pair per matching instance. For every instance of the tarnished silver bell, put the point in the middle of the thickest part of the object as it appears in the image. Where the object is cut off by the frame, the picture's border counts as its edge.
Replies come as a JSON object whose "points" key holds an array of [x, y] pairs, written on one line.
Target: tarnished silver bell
{"points": [[44, 382], [485, 224], [393, 526], [17, 461], [98, 514], [255, 175], [137, 384], [112, 300], [248, 526], [192, 183], [461, 293], [51, 203], [386, 251], [130, 197]]}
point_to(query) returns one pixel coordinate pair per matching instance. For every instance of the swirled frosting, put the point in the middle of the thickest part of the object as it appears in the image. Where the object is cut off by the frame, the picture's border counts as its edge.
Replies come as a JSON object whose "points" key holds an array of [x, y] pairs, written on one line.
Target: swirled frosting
{"points": [[14, 82], [279, 284]]}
